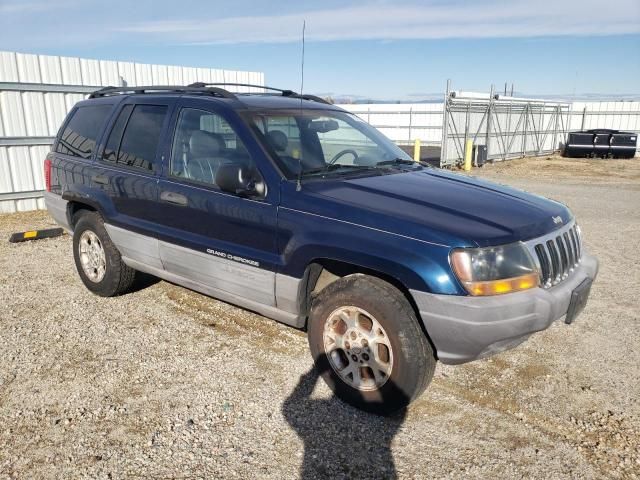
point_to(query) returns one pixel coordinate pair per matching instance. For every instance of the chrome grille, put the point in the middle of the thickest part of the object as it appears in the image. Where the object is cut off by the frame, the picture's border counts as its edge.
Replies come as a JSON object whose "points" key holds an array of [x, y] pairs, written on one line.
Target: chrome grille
{"points": [[557, 254]]}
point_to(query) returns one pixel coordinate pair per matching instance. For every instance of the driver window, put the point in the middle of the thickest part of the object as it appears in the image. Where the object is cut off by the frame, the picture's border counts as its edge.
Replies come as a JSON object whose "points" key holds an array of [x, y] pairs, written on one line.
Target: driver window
{"points": [[202, 142]]}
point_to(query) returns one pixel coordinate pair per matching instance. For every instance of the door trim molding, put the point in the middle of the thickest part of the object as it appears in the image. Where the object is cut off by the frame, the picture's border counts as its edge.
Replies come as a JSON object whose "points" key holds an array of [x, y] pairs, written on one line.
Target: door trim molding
{"points": [[245, 281]]}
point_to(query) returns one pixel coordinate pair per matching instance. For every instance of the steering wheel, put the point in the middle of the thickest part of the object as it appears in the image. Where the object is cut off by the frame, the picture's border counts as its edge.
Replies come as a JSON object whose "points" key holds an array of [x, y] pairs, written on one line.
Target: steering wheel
{"points": [[338, 155]]}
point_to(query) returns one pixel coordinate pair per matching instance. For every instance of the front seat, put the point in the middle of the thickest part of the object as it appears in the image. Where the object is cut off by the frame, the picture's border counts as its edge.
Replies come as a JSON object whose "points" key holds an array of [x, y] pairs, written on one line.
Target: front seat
{"points": [[278, 140], [204, 157]]}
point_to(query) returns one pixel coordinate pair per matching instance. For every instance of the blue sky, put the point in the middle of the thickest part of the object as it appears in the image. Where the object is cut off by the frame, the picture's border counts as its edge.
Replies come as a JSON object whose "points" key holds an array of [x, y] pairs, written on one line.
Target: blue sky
{"points": [[378, 49]]}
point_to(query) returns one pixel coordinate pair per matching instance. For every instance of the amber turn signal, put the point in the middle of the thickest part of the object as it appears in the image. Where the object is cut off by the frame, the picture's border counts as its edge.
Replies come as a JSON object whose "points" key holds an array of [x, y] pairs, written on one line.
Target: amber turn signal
{"points": [[507, 285]]}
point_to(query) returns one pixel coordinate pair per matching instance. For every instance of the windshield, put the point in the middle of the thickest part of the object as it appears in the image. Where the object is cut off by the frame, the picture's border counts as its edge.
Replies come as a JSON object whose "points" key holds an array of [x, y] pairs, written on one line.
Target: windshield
{"points": [[322, 142]]}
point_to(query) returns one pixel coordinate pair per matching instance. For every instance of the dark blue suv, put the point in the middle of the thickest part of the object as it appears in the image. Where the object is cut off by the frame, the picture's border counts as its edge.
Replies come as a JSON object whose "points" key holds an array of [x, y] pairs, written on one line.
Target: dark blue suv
{"points": [[296, 209]]}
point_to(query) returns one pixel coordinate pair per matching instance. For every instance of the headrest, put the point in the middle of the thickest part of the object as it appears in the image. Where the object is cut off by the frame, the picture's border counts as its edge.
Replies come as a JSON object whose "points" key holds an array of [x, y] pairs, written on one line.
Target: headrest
{"points": [[278, 140], [203, 144], [218, 138], [190, 121]]}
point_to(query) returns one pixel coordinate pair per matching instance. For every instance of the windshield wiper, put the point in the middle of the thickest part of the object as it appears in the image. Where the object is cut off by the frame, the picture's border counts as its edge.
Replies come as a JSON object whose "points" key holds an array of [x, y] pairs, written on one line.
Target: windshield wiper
{"points": [[336, 166], [397, 161]]}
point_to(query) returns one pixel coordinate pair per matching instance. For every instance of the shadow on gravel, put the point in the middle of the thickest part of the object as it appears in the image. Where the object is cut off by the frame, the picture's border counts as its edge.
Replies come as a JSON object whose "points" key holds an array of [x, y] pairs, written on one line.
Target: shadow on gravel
{"points": [[142, 281], [340, 441]]}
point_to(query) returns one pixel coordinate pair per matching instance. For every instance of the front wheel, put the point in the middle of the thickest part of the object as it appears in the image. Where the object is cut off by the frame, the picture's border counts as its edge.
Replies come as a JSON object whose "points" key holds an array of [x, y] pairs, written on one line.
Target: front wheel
{"points": [[368, 345]]}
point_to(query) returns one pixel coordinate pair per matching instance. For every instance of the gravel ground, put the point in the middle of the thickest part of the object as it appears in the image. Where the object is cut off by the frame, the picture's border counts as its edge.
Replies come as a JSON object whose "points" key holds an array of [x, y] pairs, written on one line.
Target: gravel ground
{"points": [[167, 383]]}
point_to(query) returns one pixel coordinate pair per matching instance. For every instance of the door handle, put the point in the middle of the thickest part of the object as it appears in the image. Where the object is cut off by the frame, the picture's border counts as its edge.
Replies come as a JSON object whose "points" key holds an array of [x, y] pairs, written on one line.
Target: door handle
{"points": [[175, 198], [100, 179]]}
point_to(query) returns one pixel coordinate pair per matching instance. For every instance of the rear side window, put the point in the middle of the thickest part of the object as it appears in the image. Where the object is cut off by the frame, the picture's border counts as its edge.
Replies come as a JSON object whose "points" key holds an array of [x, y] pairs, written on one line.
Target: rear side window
{"points": [[134, 138], [82, 130], [110, 153]]}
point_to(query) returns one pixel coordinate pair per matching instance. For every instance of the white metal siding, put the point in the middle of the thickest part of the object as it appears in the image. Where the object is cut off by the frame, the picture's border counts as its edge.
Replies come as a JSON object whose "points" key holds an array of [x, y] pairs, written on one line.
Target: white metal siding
{"points": [[40, 114], [403, 123], [29, 68], [408, 122]]}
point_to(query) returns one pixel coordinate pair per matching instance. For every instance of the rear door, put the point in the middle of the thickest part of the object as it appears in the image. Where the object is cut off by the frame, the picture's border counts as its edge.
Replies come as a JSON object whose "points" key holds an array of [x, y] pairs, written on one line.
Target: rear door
{"points": [[220, 240], [127, 172]]}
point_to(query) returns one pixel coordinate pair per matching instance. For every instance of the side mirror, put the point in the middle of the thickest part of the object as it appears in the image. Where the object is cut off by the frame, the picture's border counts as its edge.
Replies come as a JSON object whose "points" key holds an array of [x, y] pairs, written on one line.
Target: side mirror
{"points": [[238, 179]]}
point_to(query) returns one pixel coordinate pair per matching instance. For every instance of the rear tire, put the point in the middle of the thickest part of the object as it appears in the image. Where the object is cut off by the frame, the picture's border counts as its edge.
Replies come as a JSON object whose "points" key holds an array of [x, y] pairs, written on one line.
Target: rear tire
{"points": [[98, 261], [368, 345]]}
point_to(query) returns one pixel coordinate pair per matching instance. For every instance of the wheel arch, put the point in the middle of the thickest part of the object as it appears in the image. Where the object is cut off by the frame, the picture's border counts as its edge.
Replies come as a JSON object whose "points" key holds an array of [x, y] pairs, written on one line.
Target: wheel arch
{"points": [[321, 272], [75, 205], [334, 270]]}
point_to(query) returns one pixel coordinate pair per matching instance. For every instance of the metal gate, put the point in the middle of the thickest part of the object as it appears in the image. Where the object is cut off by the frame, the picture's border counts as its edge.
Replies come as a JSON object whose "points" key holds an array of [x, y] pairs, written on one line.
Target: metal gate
{"points": [[510, 127]]}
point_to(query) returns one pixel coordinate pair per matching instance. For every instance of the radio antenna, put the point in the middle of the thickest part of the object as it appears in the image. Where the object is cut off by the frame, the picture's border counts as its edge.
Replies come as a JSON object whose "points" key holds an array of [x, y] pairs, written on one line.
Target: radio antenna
{"points": [[299, 182], [304, 27]]}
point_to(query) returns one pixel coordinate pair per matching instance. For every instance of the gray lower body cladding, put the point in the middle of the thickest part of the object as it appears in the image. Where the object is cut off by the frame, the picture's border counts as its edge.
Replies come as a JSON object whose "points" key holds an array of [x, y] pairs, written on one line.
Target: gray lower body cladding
{"points": [[57, 208], [262, 291], [465, 328]]}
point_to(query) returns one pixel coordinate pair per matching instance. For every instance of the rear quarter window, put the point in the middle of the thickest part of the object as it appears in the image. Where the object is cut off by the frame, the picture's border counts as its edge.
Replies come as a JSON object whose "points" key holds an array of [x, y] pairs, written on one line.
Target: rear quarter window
{"points": [[81, 132]]}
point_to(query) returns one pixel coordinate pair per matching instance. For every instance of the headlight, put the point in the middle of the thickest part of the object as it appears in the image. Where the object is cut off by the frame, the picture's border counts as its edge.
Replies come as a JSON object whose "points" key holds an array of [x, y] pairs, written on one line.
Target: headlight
{"points": [[495, 270]]}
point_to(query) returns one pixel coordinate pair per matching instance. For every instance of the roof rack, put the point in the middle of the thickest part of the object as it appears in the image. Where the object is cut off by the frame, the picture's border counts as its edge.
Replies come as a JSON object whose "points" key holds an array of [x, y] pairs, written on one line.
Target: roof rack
{"points": [[108, 91], [285, 93], [201, 87], [312, 98]]}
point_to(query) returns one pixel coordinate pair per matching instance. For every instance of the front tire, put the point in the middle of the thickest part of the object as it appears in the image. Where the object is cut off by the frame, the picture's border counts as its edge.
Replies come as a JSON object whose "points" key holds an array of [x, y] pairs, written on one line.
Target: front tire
{"points": [[368, 345], [98, 261]]}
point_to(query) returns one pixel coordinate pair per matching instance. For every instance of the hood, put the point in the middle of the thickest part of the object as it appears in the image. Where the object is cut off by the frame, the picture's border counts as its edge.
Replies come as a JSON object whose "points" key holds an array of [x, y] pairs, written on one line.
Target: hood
{"points": [[438, 206]]}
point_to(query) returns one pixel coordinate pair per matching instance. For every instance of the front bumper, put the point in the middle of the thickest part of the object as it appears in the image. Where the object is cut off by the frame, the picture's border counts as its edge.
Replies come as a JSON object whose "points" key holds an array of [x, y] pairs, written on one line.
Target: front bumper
{"points": [[465, 328]]}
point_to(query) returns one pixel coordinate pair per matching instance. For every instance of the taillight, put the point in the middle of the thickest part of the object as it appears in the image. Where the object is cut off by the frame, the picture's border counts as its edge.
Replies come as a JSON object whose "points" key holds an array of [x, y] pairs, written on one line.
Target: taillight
{"points": [[47, 174]]}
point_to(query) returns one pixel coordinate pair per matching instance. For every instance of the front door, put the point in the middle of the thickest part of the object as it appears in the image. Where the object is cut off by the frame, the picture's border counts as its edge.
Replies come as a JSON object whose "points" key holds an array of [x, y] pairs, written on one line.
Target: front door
{"points": [[217, 239]]}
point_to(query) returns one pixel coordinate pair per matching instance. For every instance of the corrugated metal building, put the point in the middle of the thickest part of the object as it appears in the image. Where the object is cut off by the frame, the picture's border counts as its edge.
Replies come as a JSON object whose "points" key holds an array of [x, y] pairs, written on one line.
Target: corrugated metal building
{"points": [[37, 91]]}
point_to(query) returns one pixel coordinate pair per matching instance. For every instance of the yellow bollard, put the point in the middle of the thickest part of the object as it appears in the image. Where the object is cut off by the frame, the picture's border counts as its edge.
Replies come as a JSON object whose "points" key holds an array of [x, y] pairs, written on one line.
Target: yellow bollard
{"points": [[468, 149], [416, 150]]}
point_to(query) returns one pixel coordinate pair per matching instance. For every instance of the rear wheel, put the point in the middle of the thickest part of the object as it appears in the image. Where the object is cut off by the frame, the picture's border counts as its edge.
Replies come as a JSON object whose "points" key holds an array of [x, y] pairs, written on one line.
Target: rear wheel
{"points": [[367, 344], [98, 261]]}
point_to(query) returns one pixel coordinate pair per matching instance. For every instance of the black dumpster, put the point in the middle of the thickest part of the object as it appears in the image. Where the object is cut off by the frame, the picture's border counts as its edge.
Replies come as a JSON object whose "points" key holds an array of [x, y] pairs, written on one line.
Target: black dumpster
{"points": [[603, 143], [579, 144], [601, 140], [623, 145], [479, 155]]}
